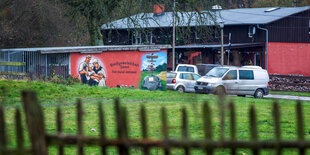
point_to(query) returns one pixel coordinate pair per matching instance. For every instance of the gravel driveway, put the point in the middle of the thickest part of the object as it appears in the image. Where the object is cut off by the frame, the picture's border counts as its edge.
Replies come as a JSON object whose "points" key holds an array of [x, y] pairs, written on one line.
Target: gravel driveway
{"points": [[289, 97]]}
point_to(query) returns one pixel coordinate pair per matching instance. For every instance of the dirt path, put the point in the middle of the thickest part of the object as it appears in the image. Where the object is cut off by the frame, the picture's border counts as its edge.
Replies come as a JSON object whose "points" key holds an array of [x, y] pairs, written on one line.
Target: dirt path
{"points": [[288, 97]]}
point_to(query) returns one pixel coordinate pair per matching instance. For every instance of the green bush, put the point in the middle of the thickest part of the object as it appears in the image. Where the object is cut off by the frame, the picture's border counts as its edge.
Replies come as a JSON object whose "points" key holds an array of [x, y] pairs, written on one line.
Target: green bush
{"points": [[66, 81], [72, 80], [58, 79]]}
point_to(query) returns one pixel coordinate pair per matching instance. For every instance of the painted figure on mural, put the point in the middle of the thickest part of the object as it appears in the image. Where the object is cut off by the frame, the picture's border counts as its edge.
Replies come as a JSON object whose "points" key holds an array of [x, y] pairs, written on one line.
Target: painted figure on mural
{"points": [[85, 69], [98, 75]]}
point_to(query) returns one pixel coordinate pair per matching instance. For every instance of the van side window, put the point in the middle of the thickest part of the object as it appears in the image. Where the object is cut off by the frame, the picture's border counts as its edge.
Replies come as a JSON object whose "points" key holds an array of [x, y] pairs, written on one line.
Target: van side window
{"points": [[185, 69], [246, 75], [231, 75]]}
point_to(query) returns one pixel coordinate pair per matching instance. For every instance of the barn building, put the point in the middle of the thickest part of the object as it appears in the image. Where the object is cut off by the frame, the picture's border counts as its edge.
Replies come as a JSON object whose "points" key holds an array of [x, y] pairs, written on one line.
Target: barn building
{"points": [[275, 38]]}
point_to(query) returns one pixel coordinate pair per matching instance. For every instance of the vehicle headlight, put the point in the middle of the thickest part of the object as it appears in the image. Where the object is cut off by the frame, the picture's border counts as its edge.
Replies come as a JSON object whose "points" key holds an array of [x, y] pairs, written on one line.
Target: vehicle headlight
{"points": [[201, 83]]}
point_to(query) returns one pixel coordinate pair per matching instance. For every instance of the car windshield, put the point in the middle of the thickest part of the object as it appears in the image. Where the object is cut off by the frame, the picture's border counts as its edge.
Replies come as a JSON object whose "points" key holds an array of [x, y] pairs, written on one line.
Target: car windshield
{"points": [[217, 72]]}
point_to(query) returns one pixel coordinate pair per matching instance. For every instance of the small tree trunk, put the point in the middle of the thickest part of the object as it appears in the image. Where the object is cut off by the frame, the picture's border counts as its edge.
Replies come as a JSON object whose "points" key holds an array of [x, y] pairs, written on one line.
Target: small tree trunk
{"points": [[91, 24]]}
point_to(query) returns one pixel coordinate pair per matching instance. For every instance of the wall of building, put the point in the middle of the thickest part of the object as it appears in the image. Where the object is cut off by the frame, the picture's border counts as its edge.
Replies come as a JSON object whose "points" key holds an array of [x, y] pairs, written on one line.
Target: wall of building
{"points": [[124, 68], [291, 29], [289, 58]]}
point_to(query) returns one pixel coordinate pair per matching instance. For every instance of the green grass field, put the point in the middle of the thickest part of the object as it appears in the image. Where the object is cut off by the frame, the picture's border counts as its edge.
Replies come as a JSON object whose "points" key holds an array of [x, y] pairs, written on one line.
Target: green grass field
{"points": [[50, 95]]}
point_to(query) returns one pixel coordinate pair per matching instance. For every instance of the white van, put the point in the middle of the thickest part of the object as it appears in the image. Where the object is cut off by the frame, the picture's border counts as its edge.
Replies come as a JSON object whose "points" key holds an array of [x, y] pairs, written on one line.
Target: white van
{"points": [[241, 81]]}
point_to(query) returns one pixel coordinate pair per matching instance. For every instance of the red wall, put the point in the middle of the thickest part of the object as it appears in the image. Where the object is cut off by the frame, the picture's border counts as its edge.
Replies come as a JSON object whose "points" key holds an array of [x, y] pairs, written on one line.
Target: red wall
{"points": [[121, 67], [289, 58]]}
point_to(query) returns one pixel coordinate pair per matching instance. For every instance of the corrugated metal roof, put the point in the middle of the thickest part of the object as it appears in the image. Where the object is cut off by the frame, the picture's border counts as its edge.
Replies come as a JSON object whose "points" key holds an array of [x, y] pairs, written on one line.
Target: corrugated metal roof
{"points": [[89, 49], [216, 46], [242, 16]]}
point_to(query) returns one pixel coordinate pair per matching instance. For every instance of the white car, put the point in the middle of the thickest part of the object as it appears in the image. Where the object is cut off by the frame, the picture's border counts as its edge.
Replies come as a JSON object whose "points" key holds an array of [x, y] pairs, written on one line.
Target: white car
{"points": [[182, 81]]}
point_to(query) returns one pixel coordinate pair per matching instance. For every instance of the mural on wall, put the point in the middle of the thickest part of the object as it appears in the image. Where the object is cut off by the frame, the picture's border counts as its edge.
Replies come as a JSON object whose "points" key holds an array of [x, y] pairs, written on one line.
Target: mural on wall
{"points": [[120, 68], [91, 72], [154, 71]]}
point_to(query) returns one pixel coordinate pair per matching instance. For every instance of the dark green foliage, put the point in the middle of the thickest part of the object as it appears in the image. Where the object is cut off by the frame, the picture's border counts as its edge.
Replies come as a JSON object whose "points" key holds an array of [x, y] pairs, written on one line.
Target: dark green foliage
{"points": [[95, 11]]}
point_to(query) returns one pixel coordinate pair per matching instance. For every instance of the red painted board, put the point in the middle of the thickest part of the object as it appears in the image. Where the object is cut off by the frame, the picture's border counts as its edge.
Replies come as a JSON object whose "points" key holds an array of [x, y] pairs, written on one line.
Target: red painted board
{"points": [[289, 58]]}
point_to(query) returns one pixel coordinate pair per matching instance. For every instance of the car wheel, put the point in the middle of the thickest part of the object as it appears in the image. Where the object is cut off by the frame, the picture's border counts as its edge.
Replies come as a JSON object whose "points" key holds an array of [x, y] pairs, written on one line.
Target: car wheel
{"points": [[259, 93], [181, 89], [220, 91]]}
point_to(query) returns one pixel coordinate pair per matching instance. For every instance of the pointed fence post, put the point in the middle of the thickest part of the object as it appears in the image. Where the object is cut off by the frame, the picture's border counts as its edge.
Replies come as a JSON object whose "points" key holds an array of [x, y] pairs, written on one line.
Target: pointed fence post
{"points": [[2, 131], [207, 125], [59, 129], [143, 121], [277, 129], [253, 129], [35, 122], [300, 127], [102, 129], [2, 124], [19, 132], [232, 125]]}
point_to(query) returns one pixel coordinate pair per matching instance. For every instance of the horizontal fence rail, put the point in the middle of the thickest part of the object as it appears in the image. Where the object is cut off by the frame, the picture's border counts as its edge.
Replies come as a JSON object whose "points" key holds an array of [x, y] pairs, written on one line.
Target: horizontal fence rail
{"points": [[40, 140]]}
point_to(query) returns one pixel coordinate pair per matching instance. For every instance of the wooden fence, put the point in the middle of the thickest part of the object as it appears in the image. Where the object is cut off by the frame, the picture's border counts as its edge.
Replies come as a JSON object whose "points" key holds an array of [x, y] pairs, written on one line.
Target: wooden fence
{"points": [[40, 140]]}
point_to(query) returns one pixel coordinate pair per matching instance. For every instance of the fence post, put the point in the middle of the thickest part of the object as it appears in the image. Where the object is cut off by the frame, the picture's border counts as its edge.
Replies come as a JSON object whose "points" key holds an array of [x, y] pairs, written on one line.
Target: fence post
{"points": [[121, 126], [80, 148], [277, 129], [59, 130], [253, 128], [232, 125], [144, 128], [2, 123], [165, 129], [102, 129], [184, 129], [300, 127], [207, 125], [19, 132], [35, 122], [2, 131]]}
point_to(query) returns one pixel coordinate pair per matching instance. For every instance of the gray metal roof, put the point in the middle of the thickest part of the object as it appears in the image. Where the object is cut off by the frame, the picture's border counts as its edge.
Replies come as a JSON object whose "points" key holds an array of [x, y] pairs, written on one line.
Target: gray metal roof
{"points": [[242, 16], [89, 49], [217, 46]]}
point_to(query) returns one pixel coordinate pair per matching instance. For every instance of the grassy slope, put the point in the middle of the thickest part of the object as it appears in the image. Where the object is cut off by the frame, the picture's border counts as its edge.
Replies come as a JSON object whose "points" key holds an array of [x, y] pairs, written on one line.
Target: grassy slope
{"points": [[49, 93]]}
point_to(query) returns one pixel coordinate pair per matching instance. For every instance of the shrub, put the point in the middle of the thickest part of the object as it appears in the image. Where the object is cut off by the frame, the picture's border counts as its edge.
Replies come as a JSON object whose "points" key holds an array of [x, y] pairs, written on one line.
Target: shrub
{"points": [[72, 80]]}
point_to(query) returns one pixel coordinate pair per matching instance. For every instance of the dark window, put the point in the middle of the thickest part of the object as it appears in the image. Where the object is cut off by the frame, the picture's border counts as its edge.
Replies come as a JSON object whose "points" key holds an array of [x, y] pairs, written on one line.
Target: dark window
{"points": [[186, 69], [231, 75], [309, 27], [246, 75]]}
